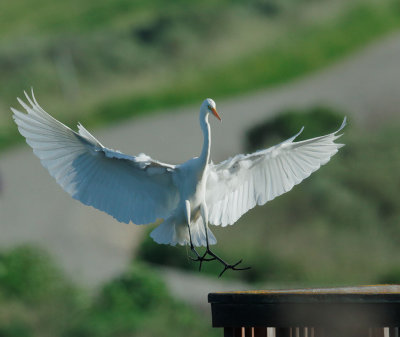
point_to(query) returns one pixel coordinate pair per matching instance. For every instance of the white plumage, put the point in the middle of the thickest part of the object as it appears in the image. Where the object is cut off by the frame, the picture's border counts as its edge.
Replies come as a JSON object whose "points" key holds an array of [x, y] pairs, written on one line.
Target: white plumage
{"points": [[188, 196], [244, 181]]}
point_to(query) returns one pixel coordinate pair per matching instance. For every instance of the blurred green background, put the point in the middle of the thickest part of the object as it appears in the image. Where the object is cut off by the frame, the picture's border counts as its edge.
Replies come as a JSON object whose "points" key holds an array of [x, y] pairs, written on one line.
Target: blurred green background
{"points": [[107, 62]]}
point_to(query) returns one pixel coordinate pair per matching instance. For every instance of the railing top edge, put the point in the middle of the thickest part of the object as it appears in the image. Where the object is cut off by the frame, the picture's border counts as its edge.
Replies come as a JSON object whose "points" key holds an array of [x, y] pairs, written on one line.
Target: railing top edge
{"points": [[361, 294]]}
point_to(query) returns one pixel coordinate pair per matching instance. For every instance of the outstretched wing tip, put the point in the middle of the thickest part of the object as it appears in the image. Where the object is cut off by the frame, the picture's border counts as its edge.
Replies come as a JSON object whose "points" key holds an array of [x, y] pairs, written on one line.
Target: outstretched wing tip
{"points": [[291, 139], [336, 135], [300, 132], [31, 100], [344, 123], [20, 101]]}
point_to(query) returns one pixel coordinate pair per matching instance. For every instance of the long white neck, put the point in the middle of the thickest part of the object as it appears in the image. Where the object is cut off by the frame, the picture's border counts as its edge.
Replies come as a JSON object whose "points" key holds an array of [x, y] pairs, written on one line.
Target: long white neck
{"points": [[205, 127]]}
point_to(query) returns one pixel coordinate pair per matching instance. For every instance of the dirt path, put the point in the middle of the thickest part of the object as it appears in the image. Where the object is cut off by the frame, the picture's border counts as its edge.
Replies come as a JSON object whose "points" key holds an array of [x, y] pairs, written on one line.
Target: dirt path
{"points": [[90, 245]]}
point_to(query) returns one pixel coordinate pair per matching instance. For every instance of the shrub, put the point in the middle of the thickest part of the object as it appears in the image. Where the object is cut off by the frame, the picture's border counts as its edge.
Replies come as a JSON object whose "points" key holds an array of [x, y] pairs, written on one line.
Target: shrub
{"points": [[316, 121], [36, 299], [28, 273], [138, 303]]}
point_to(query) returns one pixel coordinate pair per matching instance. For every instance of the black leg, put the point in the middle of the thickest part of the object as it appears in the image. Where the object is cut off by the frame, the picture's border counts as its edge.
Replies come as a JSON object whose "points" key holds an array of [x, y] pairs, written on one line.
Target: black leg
{"points": [[216, 257], [209, 252], [198, 257]]}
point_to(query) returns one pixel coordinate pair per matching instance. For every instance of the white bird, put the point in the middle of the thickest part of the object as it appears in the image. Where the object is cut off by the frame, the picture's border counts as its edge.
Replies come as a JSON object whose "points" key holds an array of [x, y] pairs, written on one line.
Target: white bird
{"points": [[189, 196]]}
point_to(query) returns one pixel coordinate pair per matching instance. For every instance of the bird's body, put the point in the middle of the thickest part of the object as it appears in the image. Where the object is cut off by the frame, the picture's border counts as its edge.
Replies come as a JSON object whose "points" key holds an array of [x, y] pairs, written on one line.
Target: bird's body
{"points": [[188, 197], [190, 178]]}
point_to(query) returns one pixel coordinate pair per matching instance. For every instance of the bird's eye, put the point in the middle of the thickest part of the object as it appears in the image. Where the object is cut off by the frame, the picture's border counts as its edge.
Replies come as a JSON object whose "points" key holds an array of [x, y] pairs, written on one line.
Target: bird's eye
{"points": [[209, 107]]}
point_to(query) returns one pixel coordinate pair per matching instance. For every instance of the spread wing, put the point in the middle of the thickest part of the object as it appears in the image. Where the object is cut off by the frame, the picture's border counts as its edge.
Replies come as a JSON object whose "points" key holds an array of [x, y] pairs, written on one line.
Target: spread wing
{"points": [[137, 189], [238, 184]]}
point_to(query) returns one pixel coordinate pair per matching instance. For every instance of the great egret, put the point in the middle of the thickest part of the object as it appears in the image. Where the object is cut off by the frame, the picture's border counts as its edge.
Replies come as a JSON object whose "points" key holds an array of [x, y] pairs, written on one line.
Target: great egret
{"points": [[187, 196]]}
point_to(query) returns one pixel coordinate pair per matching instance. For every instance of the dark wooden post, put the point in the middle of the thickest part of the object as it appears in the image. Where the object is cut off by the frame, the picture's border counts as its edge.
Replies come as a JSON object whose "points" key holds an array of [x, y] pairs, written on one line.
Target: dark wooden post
{"points": [[367, 311]]}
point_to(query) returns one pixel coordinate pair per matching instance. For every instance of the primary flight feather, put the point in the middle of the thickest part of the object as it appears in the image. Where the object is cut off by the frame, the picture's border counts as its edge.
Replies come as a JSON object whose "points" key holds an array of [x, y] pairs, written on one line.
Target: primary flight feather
{"points": [[187, 196]]}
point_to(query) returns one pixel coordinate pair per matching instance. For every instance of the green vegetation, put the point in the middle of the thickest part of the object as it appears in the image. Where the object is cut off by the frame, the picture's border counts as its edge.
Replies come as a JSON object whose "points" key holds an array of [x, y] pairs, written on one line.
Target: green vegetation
{"points": [[37, 300], [114, 60], [138, 302], [340, 226]]}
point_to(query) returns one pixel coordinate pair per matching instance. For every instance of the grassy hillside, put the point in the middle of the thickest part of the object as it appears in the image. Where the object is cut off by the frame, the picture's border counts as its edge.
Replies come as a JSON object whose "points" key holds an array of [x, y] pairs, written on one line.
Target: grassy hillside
{"points": [[98, 62]]}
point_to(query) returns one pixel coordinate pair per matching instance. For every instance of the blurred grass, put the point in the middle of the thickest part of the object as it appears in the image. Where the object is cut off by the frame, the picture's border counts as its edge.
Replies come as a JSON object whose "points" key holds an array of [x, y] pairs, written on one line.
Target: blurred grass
{"points": [[115, 60], [37, 300], [297, 52], [338, 227], [45, 16]]}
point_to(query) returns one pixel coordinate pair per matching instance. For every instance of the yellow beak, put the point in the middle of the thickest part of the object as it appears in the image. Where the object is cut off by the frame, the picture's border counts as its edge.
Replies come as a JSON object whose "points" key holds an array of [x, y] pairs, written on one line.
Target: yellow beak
{"points": [[215, 113]]}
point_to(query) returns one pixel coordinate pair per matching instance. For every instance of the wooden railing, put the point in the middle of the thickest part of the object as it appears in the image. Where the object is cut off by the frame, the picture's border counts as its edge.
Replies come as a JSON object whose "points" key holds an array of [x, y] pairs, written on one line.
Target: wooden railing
{"points": [[367, 311]]}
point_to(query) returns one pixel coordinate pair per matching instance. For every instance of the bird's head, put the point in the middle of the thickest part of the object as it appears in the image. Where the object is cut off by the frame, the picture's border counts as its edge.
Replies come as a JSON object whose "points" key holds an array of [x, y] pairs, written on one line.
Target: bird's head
{"points": [[209, 106]]}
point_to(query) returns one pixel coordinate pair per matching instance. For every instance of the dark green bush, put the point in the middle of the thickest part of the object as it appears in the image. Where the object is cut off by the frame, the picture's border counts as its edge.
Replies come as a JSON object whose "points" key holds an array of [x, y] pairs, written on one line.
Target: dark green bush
{"points": [[137, 303], [122, 305], [316, 121], [391, 276], [29, 274], [16, 329], [35, 297]]}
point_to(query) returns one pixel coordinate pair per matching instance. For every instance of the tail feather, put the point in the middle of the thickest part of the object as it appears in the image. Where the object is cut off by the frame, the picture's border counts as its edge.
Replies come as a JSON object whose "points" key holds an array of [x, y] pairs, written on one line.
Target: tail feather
{"points": [[199, 234], [170, 233], [164, 234]]}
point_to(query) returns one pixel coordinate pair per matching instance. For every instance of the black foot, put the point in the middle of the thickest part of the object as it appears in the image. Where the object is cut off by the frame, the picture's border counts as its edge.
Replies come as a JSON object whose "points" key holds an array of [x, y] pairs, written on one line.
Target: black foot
{"points": [[200, 258], [216, 257], [233, 267]]}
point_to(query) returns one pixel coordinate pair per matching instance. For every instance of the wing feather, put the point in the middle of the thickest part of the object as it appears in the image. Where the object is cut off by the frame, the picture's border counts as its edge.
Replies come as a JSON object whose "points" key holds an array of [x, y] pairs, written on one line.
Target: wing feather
{"points": [[238, 184], [137, 189]]}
